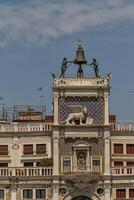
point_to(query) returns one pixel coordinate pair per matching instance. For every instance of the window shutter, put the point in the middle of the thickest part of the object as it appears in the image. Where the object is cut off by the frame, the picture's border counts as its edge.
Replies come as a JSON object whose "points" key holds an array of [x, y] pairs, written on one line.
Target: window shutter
{"points": [[120, 193], [3, 149], [28, 149], [130, 148], [118, 163], [41, 149], [131, 193], [118, 148]]}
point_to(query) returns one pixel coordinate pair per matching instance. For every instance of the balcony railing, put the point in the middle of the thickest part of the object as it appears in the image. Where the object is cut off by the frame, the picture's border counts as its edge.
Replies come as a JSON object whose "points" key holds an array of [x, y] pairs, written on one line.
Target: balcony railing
{"points": [[28, 171], [118, 171], [123, 126], [25, 127]]}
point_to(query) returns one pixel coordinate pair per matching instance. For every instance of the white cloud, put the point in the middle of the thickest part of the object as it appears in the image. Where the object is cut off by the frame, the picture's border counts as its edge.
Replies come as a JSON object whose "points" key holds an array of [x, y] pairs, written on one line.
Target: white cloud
{"points": [[34, 22]]}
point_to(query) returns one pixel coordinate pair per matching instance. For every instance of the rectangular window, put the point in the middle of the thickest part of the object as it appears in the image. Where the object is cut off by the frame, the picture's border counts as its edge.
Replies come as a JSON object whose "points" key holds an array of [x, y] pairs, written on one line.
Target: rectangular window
{"points": [[66, 164], [96, 162], [120, 193], [40, 193], [130, 164], [28, 149], [131, 193], [38, 164], [40, 148], [27, 194], [28, 164], [3, 164], [118, 164], [118, 148], [130, 148], [1, 194], [3, 149]]}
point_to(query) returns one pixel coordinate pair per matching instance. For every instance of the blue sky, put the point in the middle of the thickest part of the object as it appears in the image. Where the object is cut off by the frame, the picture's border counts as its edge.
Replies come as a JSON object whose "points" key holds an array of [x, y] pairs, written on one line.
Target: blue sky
{"points": [[35, 35]]}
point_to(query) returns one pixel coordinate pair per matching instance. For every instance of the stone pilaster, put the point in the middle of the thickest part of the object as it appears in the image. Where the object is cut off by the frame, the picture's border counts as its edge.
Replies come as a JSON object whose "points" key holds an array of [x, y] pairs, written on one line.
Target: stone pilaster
{"points": [[55, 153], [88, 160], [56, 109], [106, 109], [13, 187], [107, 192], [107, 152], [13, 195], [75, 160], [55, 192]]}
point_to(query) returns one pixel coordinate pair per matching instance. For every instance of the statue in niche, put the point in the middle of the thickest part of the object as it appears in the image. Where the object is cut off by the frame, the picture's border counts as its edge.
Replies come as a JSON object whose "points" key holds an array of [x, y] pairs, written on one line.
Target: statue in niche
{"points": [[95, 66], [78, 117], [81, 160]]}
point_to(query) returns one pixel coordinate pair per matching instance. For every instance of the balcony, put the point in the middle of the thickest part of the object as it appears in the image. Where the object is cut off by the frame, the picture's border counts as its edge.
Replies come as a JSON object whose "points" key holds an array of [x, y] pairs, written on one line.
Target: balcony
{"points": [[123, 171], [25, 172], [123, 126], [25, 127]]}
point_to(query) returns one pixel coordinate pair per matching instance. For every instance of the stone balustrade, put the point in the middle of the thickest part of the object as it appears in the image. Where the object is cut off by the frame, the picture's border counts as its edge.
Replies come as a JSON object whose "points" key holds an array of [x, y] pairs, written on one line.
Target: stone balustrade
{"points": [[25, 127], [118, 171], [123, 126], [27, 171]]}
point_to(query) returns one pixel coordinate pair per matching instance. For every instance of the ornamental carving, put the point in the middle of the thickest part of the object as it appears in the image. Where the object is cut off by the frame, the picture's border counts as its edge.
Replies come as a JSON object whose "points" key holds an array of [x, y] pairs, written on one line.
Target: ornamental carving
{"points": [[81, 110], [78, 117]]}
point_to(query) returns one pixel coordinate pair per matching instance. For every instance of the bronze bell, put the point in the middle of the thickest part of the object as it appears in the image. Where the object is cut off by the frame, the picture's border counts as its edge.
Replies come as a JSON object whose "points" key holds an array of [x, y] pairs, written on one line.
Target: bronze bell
{"points": [[80, 57]]}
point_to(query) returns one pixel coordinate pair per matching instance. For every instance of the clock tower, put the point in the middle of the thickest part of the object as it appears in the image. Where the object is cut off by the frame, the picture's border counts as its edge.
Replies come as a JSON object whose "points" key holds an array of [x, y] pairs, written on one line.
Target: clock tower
{"points": [[81, 132]]}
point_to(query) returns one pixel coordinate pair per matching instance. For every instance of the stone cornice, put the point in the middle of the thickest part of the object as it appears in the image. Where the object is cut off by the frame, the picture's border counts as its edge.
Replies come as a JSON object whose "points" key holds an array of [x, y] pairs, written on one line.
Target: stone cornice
{"points": [[25, 134]]}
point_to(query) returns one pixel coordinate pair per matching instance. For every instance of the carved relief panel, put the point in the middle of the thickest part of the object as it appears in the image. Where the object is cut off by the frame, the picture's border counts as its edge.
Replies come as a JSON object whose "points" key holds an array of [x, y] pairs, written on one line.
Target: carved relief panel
{"points": [[81, 110]]}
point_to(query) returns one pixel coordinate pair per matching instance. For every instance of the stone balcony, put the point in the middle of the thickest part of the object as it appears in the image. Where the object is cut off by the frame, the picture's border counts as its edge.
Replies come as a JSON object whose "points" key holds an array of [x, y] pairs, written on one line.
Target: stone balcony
{"points": [[122, 171], [123, 126], [26, 172], [25, 127]]}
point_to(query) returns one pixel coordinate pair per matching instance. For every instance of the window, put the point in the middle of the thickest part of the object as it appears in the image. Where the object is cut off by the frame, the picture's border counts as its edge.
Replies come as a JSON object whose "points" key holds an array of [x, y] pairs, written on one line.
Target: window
{"points": [[118, 163], [28, 149], [40, 193], [96, 162], [3, 164], [1, 194], [38, 164], [3, 149], [28, 164], [120, 193], [130, 148], [131, 193], [130, 164], [41, 149], [66, 164], [27, 194], [118, 148]]}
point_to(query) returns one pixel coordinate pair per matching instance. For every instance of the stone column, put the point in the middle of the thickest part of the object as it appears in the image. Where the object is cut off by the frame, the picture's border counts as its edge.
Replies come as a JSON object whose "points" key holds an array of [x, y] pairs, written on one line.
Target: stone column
{"points": [[106, 109], [107, 153], [56, 192], [107, 193], [75, 160], [88, 160]]}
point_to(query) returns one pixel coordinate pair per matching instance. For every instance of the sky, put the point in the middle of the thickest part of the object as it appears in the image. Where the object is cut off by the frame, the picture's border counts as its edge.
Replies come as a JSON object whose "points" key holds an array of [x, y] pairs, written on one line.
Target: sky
{"points": [[35, 35]]}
